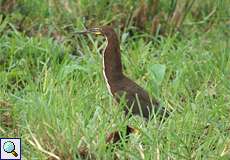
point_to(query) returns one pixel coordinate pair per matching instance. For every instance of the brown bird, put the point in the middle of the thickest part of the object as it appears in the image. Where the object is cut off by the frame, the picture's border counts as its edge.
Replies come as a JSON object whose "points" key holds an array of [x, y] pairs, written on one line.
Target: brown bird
{"points": [[138, 101]]}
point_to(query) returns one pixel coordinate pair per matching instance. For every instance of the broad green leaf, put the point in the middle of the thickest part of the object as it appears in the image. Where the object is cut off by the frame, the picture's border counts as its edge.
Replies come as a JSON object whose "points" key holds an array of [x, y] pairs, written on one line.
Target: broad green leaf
{"points": [[158, 73]]}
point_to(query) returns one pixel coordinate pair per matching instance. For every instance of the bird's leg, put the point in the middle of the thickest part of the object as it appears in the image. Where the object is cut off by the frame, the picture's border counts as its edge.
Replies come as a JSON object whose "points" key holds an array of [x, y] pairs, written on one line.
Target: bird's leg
{"points": [[117, 135], [113, 137]]}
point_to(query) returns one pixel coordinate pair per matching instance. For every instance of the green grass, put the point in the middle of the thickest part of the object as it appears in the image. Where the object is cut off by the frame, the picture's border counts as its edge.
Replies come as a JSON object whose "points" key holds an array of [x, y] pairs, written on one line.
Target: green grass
{"points": [[54, 97]]}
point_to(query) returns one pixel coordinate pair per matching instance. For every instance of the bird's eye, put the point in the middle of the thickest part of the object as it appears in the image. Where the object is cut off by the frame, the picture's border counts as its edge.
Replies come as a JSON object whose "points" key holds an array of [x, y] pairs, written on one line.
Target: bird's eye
{"points": [[98, 33]]}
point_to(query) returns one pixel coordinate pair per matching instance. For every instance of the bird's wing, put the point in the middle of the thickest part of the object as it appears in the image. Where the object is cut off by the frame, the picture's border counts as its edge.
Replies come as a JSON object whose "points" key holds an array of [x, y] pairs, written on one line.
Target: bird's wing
{"points": [[137, 100], [134, 103]]}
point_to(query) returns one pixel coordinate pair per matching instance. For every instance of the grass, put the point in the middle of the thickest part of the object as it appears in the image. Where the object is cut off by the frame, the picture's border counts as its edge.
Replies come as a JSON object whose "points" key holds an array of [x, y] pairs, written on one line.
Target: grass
{"points": [[53, 96]]}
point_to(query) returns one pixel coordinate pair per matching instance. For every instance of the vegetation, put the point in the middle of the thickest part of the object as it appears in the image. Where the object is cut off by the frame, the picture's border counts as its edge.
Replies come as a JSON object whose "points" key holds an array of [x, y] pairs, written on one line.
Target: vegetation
{"points": [[52, 92]]}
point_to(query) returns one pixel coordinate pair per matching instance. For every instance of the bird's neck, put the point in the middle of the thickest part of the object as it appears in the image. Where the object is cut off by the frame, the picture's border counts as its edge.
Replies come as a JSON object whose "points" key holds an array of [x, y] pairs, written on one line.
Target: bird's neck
{"points": [[112, 66]]}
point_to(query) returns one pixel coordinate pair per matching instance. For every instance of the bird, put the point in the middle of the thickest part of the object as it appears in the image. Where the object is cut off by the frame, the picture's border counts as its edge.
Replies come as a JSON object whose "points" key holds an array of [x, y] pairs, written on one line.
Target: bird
{"points": [[138, 101]]}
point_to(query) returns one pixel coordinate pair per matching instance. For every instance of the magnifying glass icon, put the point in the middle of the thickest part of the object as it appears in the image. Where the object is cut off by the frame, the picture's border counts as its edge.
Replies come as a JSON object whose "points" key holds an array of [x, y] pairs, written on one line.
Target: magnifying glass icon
{"points": [[9, 147]]}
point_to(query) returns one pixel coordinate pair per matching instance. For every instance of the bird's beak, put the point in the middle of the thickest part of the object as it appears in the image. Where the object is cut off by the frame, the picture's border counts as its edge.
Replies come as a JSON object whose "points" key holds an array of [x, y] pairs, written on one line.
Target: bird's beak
{"points": [[95, 31], [83, 32]]}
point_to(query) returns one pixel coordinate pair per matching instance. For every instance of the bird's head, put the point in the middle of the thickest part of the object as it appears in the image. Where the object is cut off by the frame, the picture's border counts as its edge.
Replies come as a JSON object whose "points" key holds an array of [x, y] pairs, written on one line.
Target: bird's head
{"points": [[104, 31]]}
